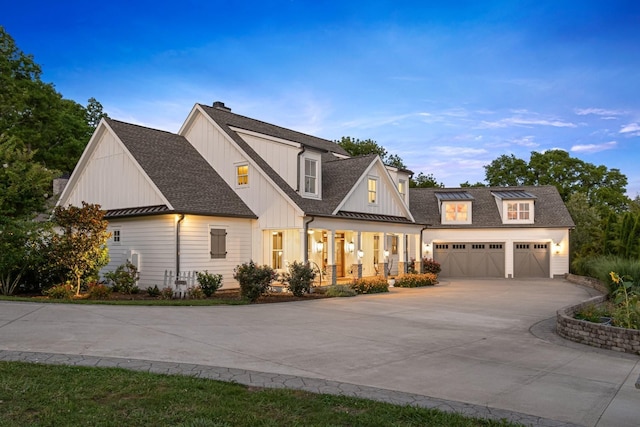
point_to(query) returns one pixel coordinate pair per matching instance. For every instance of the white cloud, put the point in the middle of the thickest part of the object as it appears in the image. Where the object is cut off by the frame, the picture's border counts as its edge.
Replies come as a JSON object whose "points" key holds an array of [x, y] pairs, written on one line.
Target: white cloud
{"points": [[527, 122], [607, 114], [525, 141], [458, 151], [631, 128], [594, 148]]}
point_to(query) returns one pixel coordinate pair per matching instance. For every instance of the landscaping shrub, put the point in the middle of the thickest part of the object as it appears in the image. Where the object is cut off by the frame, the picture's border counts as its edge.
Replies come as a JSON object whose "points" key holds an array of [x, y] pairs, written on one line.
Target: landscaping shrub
{"points": [[299, 278], [64, 291], [340, 291], [166, 293], [592, 313], [416, 280], [195, 292], [124, 278], [98, 291], [153, 292], [626, 313], [370, 285], [599, 267], [254, 280], [431, 266], [209, 283]]}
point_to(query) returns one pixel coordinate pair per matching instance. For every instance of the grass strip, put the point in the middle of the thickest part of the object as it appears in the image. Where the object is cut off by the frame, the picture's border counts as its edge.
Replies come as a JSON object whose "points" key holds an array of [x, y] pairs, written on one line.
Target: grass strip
{"points": [[54, 395]]}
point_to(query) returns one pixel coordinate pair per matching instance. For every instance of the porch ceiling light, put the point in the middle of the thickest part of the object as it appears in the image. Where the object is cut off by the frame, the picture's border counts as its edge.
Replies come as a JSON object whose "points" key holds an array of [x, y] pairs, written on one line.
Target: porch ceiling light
{"points": [[310, 231]]}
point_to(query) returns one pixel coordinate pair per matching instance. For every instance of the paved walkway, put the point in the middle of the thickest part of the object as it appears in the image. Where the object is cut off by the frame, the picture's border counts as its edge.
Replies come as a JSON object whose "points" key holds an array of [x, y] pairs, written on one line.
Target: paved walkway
{"points": [[483, 348]]}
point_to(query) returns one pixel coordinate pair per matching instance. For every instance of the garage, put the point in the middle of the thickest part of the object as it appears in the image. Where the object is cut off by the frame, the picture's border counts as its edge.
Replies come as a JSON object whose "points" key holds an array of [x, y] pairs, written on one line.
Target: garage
{"points": [[470, 259], [531, 259]]}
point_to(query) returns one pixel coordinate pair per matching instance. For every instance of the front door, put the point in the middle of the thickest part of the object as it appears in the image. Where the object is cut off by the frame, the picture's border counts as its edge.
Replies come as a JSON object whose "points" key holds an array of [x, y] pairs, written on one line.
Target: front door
{"points": [[339, 254]]}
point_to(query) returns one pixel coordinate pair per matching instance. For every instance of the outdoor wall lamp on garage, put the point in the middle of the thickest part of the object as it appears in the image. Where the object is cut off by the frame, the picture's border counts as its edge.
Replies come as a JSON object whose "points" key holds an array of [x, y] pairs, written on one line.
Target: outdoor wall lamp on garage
{"points": [[426, 247], [558, 247]]}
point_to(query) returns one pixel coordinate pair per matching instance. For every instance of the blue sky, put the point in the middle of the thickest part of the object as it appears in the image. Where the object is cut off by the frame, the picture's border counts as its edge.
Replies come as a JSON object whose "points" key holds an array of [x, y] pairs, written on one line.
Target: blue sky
{"points": [[448, 86]]}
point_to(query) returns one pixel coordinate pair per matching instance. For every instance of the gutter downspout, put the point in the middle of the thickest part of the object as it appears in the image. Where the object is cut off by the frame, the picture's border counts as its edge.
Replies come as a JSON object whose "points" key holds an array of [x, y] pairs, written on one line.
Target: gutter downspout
{"points": [[422, 241], [298, 181], [178, 246], [306, 240]]}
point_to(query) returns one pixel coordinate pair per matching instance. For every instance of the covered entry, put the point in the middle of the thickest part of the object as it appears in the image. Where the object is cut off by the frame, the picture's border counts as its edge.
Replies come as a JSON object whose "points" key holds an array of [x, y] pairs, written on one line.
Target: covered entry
{"points": [[470, 259], [531, 259]]}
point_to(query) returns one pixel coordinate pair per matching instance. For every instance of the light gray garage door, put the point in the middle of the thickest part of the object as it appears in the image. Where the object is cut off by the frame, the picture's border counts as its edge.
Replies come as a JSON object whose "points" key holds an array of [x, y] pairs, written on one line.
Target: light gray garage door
{"points": [[470, 259], [531, 259]]}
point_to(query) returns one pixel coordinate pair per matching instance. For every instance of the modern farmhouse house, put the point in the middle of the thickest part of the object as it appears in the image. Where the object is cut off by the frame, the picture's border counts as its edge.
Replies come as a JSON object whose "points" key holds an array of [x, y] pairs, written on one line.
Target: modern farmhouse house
{"points": [[227, 189]]}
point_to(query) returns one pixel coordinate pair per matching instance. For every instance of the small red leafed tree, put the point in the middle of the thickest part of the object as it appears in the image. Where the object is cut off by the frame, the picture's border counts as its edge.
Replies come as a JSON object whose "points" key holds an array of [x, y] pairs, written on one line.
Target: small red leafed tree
{"points": [[80, 244]]}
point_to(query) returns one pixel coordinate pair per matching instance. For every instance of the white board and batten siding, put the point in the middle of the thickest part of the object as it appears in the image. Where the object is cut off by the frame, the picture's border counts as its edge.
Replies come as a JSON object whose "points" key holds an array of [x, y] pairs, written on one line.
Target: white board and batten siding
{"points": [[112, 179], [387, 203], [559, 262], [261, 195]]}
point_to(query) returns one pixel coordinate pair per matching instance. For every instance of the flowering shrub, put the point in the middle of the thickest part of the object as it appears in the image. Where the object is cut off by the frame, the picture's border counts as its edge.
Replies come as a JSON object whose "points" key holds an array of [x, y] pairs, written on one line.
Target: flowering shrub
{"points": [[431, 266], [299, 278], [124, 278], [99, 291], [209, 283], [195, 292], [166, 293], [254, 280], [416, 280], [64, 291], [370, 285]]}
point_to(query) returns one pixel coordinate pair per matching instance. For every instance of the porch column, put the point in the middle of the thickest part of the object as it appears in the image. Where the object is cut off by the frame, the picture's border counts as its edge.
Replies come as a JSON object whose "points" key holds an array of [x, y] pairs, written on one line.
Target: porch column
{"points": [[358, 243], [402, 254], [304, 244], [331, 261], [385, 259], [418, 253]]}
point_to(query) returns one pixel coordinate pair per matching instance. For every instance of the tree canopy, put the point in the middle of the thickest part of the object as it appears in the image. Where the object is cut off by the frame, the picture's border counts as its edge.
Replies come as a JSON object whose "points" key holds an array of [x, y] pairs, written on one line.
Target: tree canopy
{"points": [[36, 117], [357, 147], [605, 188], [424, 181]]}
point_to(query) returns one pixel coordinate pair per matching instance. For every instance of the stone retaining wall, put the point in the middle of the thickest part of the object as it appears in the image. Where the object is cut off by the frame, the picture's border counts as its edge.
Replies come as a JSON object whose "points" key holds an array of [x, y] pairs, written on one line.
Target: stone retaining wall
{"points": [[595, 334]]}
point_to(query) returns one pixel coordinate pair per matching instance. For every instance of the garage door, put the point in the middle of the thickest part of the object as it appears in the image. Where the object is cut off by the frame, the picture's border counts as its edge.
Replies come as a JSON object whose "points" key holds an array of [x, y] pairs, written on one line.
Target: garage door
{"points": [[470, 259], [531, 259]]}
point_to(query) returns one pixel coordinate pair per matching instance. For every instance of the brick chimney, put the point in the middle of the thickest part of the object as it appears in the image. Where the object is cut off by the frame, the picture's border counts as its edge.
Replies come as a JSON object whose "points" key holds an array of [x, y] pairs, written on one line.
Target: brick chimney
{"points": [[220, 106]]}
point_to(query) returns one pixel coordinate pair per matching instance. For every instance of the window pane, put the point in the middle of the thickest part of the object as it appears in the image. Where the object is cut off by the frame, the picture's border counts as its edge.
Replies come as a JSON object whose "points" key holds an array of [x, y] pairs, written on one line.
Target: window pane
{"points": [[276, 254], [372, 190], [462, 212], [242, 172]]}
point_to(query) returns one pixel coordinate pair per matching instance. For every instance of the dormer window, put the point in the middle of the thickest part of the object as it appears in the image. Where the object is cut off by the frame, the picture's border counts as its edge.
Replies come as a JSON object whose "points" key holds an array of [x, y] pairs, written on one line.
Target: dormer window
{"points": [[515, 206], [455, 207], [402, 188], [310, 176]]}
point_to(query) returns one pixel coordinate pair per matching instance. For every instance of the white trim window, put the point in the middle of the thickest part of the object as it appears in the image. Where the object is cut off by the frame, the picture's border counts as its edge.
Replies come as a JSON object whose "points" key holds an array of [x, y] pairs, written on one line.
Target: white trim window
{"points": [[519, 211], [276, 250], [372, 186], [456, 212], [402, 188], [242, 175], [311, 176], [116, 236]]}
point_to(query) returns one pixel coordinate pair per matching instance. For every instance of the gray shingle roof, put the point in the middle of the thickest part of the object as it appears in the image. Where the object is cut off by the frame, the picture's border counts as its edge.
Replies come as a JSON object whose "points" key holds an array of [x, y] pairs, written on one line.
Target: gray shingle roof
{"points": [[183, 176], [550, 210], [338, 175]]}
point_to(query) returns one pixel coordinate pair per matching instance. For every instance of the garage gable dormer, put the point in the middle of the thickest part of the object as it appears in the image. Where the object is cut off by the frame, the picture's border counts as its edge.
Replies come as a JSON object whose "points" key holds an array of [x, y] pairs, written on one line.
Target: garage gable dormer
{"points": [[455, 207], [515, 206]]}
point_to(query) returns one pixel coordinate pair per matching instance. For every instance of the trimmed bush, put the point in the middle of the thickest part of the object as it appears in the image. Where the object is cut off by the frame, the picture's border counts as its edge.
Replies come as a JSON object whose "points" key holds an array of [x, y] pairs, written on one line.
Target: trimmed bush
{"points": [[64, 291], [153, 292], [166, 293], [98, 291], [431, 266], [370, 285], [254, 280], [416, 280], [340, 291], [124, 278], [209, 283], [195, 292], [299, 278]]}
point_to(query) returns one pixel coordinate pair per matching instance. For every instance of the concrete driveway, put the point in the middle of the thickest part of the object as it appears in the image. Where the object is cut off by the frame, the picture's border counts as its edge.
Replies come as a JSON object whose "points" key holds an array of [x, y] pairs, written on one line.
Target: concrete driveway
{"points": [[485, 342]]}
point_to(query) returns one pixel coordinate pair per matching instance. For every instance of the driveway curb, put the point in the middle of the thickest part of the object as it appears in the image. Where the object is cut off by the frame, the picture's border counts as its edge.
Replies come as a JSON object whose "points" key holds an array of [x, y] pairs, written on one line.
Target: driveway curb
{"points": [[271, 380]]}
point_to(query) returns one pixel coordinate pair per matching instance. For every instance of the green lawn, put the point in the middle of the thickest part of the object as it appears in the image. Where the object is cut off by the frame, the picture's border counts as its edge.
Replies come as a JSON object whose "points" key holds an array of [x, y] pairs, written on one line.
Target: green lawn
{"points": [[51, 395]]}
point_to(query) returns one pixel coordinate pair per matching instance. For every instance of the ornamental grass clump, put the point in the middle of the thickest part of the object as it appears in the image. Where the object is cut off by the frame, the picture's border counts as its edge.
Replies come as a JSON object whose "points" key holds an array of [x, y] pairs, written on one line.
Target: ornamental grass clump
{"points": [[416, 280], [340, 291], [254, 280], [370, 285]]}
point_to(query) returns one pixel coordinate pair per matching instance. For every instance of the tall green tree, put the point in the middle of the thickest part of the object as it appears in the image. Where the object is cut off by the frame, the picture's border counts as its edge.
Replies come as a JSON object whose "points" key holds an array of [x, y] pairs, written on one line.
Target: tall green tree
{"points": [[80, 246], [358, 147], [36, 115], [605, 188], [424, 181], [587, 236]]}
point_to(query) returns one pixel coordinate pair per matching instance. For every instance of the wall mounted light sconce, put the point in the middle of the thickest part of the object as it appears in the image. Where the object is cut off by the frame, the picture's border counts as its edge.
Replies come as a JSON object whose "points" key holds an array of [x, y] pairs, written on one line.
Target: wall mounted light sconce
{"points": [[558, 247], [319, 247], [349, 246], [386, 253], [426, 247], [360, 254]]}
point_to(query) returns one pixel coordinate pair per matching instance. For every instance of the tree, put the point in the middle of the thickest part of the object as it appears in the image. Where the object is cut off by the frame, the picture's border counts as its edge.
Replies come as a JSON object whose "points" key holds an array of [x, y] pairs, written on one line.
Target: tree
{"points": [[424, 181], [468, 184], [605, 189], [585, 239], [356, 147], [80, 247], [36, 115]]}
